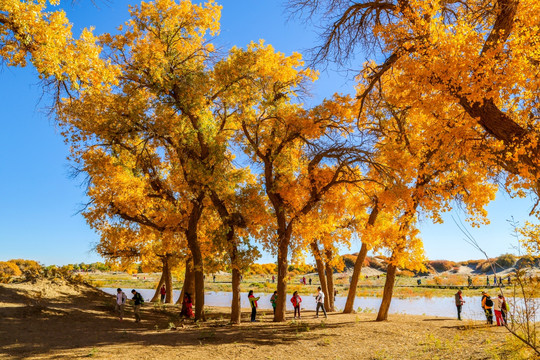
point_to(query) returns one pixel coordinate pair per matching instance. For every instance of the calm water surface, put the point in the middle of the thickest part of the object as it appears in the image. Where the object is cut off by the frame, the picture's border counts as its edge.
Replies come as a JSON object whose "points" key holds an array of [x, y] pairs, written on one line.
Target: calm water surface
{"points": [[436, 306]]}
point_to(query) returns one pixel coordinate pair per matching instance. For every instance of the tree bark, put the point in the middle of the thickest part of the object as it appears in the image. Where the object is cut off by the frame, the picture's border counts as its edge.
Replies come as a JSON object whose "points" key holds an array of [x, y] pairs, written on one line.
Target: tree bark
{"points": [[168, 280], [195, 249], [388, 291], [351, 296], [358, 264], [283, 250], [230, 221], [320, 271], [157, 293], [329, 280], [189, 283], [236, 314]]}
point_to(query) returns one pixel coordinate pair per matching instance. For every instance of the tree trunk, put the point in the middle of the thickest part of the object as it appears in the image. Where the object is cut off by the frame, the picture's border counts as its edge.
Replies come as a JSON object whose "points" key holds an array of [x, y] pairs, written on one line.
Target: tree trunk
{"points": [[168, 280], [320, 272], [354, 279], [195, 249], [329, 281], [230, 221], [282, 280], [236, 313], [359, 262], [387, 294], [189, 284], [157, 293]]}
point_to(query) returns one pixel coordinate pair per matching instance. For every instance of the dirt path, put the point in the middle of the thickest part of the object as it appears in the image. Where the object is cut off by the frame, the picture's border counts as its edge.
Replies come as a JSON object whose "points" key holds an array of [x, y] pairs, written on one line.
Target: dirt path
{"points": [[50, 320]]}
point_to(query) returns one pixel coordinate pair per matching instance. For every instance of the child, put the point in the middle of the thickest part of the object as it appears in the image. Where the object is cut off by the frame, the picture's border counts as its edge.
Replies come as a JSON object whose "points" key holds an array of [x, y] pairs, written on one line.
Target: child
{"points": [[253, 302], [296, 300], [273, 300]]}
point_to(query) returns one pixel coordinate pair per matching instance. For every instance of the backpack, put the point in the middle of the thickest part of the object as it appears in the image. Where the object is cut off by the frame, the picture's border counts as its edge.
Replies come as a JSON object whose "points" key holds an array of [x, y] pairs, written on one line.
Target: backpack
{"points": [[489, 302]]}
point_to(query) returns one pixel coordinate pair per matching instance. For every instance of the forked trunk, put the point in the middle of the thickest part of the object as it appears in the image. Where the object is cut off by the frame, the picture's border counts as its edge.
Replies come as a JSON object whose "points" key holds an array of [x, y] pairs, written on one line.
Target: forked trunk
{"points": [[195, 249], [387, 294]]}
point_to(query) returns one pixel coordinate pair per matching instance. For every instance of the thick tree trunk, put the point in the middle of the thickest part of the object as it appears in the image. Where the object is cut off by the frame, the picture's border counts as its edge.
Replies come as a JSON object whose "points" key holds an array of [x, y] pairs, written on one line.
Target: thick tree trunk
{"points": [[157, 293], [189, 284], [329, 281], [358, 264], [320, 272], [235, 306], [168, 280], [387, 294], [282, 280], [195, 249]]}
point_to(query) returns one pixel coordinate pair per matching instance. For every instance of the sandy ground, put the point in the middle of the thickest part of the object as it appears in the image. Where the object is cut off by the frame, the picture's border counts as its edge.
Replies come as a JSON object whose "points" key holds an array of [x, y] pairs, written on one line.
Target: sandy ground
{"points": [[57, 320]]}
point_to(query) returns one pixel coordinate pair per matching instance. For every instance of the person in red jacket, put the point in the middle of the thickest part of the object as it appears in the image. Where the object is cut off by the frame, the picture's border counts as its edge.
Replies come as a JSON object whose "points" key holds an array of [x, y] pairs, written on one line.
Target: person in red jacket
{"points": [[163, 292], [296, 300]]}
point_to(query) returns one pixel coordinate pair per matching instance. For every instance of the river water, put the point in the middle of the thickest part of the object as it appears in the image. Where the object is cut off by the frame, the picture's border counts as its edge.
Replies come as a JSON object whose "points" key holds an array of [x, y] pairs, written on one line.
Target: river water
{"points": [[436, 306]]}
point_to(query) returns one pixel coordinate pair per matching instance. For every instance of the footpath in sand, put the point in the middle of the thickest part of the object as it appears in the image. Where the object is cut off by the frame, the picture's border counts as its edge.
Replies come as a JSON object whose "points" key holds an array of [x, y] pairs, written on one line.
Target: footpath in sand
{"points": [[58, 320]]}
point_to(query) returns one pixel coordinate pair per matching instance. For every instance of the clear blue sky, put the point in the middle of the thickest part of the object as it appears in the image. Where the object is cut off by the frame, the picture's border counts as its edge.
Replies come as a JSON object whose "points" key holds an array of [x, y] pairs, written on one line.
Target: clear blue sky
{"points": [[39, 201]]}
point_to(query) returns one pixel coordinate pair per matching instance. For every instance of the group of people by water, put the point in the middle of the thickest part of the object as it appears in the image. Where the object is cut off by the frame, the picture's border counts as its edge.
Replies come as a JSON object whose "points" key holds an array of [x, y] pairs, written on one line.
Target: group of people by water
{"points": [[499, 306], [187, 303], [296, 300]]}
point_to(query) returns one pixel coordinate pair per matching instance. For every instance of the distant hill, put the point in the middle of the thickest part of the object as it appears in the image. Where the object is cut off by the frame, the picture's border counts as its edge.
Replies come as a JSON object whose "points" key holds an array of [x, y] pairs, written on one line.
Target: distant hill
{"points": [[503, 264]]}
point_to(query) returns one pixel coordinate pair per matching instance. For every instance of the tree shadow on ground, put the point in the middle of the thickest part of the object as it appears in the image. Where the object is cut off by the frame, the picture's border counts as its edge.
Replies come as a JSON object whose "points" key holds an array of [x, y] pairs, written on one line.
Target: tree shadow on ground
{"points": [[88, 320]]}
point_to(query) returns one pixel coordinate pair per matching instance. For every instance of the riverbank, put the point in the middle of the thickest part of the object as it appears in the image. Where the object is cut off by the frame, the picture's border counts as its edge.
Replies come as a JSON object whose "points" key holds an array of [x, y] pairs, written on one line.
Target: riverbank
{"points": [[373, 286], [59, 320]]}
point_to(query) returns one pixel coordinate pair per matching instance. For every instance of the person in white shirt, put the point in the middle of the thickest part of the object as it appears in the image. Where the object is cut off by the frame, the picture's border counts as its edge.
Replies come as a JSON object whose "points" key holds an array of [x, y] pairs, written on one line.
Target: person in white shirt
{"points": [[320, 302], [120, 302]]}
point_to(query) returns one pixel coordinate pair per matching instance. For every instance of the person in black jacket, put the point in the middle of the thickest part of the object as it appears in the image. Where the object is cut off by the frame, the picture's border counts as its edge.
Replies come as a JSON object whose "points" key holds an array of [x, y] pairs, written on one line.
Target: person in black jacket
{"points": [[138, 300]]}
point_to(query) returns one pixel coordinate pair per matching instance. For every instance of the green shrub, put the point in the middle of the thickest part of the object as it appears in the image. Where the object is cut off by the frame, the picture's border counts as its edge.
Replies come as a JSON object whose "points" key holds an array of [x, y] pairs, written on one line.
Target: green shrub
{"points": [[506, 260]]}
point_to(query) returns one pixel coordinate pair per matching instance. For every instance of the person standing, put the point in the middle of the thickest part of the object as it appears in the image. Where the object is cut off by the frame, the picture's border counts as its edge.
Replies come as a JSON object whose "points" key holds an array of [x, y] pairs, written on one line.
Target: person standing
{"points": [[494, 280], [497, 306], [273, 301], [163, 292], [319, 298], [273, 279], [469, 280], [253, 302], [459, 303], [296, 300], [487, 280], [309, 281], [138, 301], [120, 302], [504, 310], [487, 305]]}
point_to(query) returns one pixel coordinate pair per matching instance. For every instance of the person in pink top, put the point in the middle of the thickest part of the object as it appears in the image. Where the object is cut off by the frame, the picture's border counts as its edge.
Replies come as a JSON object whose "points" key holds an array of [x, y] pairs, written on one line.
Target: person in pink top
{"points": [[497, 306], [296, 300]]}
